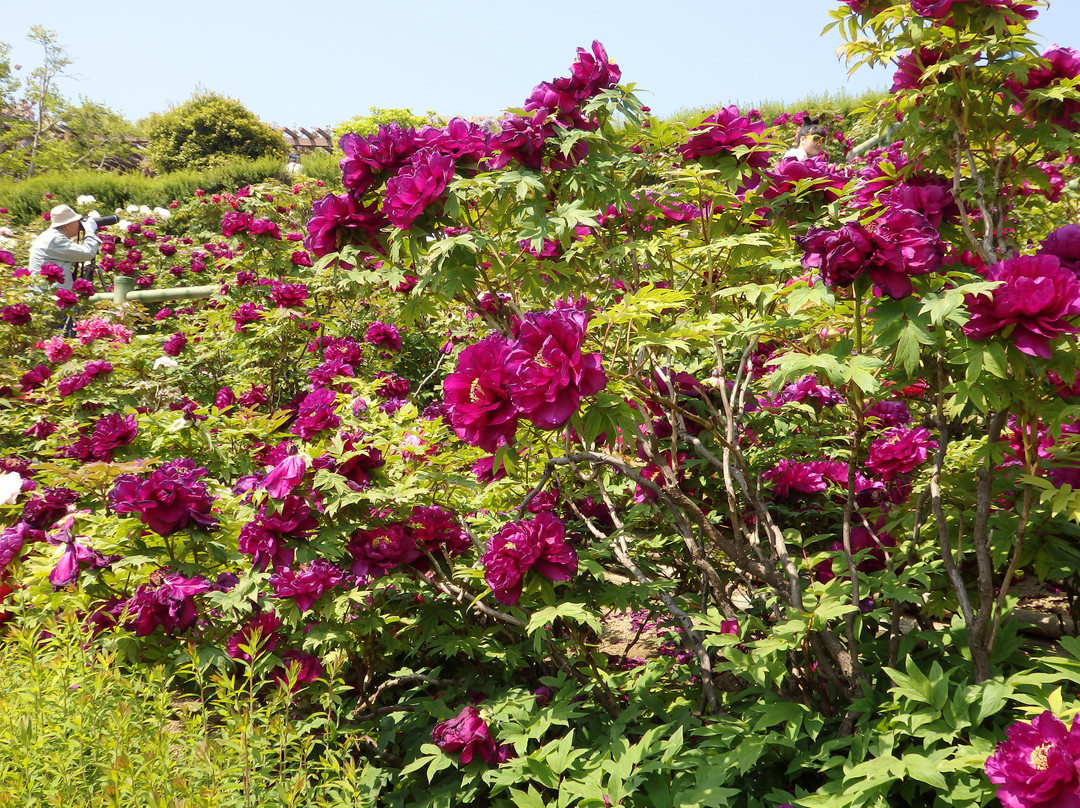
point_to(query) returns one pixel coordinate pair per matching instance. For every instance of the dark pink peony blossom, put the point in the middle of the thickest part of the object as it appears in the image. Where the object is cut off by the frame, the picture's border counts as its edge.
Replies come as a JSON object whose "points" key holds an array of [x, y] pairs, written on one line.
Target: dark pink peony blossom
{"points": [[339, 220], [906, 245], [175, 344], [34, 378], [840, 256], [263, 539], [828, 180], [303, 668], [942, 9], [256, 637], [416, 186], [265, 227], [234, 222], [307, 584], [898, 451], [246, 313], [521, 140], [47, 506], [288, 295], [592, 72], [70, 384], [97, 367], [463, 140], [1038, 764], [15, 314], [538, 543], [468, 734], [478, 396], [253, 396], [884, 414], [65, 298], [166, 601], [436, 529], [929, 195], [910, 67], [788, 475], [41, 429], [1032, 306], [862, 541], [725, 131], [7, 257], [367, 157], [108, 435], [549, 375], [376, 552], [285, 476], [316, 413], [224, 398], [1064, 244], [383, 335], [300, 258], [168, 499], [1063, 64], [52, 273], [14, 538]]}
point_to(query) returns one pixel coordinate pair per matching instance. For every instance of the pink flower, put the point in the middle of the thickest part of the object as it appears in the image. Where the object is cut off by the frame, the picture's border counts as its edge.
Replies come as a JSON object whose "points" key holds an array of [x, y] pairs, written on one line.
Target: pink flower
{"points": [[175, 344], [383, 335], [898, 451], [725, 131], [538, 543], [376, 552], [66, 298], [468, 734], [1038, 765], [306, 585], [316, 413], [1032, 305], [415, 187], [344, 219], [840, 256], [168, 499], [905, 244], [288, 295], [366, 157], [258, 636], [285, 476], [246, 313], [1064, 244], [478, 397], [167, 601], [16, 314], [549, 375]]}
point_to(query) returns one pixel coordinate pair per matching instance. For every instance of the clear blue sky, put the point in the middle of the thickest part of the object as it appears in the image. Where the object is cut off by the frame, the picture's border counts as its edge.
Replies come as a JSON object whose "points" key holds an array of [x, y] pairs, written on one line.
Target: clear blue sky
{"points": [[318, 63]]}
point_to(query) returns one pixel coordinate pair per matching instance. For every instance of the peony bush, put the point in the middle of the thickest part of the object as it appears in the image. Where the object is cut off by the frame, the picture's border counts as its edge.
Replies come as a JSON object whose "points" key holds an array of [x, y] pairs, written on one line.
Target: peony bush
{"points": [[596, 459]]}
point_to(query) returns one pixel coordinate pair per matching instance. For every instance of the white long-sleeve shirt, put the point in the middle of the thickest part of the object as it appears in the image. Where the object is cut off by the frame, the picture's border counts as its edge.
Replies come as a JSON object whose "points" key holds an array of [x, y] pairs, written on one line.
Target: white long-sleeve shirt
{"points": [[53, 247]]}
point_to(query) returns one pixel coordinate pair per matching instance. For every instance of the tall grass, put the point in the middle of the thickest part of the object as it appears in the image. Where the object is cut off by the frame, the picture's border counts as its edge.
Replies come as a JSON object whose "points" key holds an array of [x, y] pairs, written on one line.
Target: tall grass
{"points": [[77, 728]]}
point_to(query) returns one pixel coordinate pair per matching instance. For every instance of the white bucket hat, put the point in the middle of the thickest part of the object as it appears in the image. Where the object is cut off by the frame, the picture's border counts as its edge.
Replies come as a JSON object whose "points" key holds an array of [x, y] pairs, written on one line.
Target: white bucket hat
{"points": [[61, 215]]}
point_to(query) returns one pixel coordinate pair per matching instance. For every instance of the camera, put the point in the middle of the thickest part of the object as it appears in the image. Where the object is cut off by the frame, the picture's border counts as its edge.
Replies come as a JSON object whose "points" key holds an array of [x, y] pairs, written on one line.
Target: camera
{"points": [[102, 221]]}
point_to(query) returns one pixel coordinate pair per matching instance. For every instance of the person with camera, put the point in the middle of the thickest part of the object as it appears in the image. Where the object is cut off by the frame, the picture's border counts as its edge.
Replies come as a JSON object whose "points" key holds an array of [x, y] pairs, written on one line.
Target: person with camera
{"points": [[57, 244]]}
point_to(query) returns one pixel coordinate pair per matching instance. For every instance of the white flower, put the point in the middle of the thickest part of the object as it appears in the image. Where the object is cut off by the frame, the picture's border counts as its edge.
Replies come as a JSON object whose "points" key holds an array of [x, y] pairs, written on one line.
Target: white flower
{"points": [[178, 424], [6, 231], [132, 208], [85, 199], [94, 215], [10, 486], [165, 362], [123, 224], [162, 213], [145, 210]]}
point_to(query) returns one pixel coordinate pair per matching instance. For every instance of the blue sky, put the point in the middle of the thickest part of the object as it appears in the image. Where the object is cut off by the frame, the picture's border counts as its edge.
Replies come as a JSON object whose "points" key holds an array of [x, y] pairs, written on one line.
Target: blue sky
{"points": [[316, 64]]}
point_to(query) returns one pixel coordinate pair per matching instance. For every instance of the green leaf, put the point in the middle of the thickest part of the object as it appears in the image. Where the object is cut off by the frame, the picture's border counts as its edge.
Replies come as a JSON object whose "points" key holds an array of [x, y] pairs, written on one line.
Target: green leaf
{"points": [[567, 610]]}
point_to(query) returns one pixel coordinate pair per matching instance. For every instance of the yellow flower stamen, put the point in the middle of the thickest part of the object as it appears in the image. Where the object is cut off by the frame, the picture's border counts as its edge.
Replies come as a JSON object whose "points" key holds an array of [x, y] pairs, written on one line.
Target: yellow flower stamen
{"points": [[1038, 758]]}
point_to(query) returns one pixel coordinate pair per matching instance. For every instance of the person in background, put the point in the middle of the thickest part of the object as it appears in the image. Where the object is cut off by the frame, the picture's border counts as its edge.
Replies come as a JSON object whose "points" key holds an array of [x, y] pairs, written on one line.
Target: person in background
{"points": [[57, 244], [811, 140], [293, 166]]}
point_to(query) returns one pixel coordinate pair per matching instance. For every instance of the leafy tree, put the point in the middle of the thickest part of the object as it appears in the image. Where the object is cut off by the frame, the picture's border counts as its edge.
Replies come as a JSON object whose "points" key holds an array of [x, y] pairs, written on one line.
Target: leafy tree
{"points": [[369, 124], [41, 91], [206, 131]]}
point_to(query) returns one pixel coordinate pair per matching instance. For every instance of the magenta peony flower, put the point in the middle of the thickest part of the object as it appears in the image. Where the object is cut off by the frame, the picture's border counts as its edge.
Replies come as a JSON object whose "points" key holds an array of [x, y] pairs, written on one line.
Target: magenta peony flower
{"points": [[316, 413], [593, 72], [254, 396], [1064, 244], [477, 395], [723, 132], [97, 367], [263, 538], [538, 543], [521, 140], [166, 601], [41, 429], [57, 350], [436, 529], [258, 636], [788, 475], [898, 451], [1063, 64], [175, 344], [1038, 765], [376, 552], [941, 9], [69, 384], [862, 541], [906, 244], [548, 373], [927, 194], [306, 585], [16, 314], [168, 499], [366, 157], [910, 67], [288, 295], [285, 476], [300, 258], [52, 273], [108, 435], [47, 506], [468, 734], [224, 398], [234, 222], [307, 669], [1031, 306], [246, 313], [265, 227], [383, 335], [416, 186], [65, 298], [339, 220], [840, 256], [35, 377], [14, 538], [884, 414], [463, 140]]}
